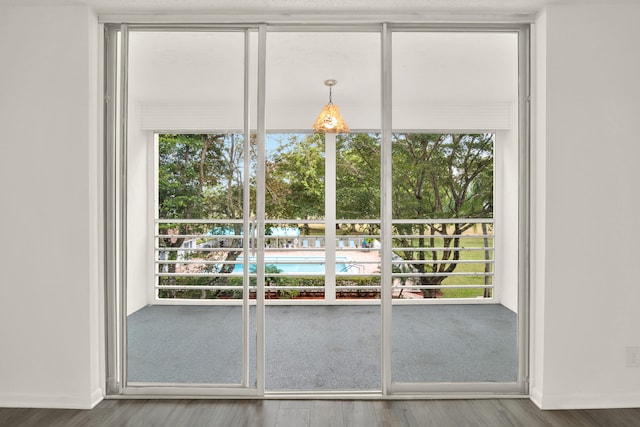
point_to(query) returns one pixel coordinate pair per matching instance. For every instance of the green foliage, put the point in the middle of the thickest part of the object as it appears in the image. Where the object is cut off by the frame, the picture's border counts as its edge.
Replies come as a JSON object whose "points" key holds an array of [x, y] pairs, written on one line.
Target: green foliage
{"points": [[290, 281], [434, 176], [358, 176], [295, 178], [199, 176], [440, 176], [443, 176], [357, 281]]}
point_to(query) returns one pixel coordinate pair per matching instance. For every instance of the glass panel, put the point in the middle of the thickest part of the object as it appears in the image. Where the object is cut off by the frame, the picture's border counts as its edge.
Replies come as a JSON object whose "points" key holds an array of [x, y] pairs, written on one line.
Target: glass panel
{"points": [[358, 260], [298, 64], [295, 177], [358, 177], [199, 176], [189, 257], [295, 240], [444, 182], [319, 347], [443, 204], [358, 207]]}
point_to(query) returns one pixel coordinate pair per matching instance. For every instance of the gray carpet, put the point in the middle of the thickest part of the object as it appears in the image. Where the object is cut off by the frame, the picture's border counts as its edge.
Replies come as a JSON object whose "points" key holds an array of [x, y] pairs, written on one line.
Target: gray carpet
{"points": [[323, 347], [185, 344], [454, 343]]}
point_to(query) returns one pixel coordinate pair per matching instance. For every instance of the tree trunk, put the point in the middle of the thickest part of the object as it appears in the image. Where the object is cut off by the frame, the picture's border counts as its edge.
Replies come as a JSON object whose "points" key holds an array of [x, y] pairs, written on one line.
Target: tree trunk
{"points": [[173, 256], [431, 281]]}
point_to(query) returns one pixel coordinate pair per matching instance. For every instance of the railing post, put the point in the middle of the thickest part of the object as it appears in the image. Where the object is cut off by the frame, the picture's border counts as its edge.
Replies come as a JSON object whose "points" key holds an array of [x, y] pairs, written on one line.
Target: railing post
{"points": [[330, 217]]}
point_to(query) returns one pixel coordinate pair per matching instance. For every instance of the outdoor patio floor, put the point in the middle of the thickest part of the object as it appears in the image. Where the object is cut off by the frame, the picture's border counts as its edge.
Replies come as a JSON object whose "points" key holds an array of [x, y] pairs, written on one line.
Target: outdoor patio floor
{"points": [[323, 347]]}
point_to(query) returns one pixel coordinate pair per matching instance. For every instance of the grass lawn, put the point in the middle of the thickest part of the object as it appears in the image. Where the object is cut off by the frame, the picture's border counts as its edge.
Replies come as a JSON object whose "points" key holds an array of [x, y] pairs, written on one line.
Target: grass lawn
{"points": [[471, 242]]}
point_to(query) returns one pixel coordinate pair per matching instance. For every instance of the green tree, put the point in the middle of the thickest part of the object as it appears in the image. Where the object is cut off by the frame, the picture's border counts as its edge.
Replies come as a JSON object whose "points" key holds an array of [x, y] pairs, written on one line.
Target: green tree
{"points": [[435, 176], [199, 177], [358, 176], [440, 176], [295, 178]]}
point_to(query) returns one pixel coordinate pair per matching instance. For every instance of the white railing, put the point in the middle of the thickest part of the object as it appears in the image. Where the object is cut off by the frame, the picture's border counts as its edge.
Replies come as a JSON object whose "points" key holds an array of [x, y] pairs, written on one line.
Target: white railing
{"points": [[203, 260]]}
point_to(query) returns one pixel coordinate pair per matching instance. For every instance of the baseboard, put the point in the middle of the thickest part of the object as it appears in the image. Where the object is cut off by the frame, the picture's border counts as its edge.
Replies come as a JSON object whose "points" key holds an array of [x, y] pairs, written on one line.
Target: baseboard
{"points": [[536, 397], [54, 401], [586, 401], [96, 397]]}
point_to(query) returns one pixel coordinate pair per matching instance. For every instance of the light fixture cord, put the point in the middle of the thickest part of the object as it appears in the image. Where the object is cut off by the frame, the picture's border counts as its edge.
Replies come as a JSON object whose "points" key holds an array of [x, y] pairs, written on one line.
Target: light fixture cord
{"points": [[330, 93]]}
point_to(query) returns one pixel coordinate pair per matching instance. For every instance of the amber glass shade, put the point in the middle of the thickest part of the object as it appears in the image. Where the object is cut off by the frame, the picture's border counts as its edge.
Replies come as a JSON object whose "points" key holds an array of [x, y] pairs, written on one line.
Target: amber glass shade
{"points": [[330, 121]]}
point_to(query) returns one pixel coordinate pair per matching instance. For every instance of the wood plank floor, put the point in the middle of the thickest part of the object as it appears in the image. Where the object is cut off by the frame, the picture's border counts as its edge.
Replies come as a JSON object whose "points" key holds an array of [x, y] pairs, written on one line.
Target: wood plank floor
{"points": [[325, 413]]}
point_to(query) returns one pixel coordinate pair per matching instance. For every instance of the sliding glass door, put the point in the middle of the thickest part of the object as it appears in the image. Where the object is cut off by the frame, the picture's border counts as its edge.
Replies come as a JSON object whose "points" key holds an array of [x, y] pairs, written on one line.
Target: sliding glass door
{"points": [[185, 163], [322, 324], [248, 255], [456, 302]]}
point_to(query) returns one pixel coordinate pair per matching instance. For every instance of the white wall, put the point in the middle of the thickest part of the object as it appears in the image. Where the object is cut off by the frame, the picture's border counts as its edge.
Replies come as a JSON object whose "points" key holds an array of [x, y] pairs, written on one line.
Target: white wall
{"points": [[506, 215], [587, 281], [49, 324], [538, 204], [585, 294], [139, 213]]}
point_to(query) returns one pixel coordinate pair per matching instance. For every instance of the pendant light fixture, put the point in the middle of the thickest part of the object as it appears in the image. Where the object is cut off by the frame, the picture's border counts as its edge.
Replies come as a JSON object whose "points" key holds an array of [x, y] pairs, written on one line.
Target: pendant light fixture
{"points": [[330, 120]]}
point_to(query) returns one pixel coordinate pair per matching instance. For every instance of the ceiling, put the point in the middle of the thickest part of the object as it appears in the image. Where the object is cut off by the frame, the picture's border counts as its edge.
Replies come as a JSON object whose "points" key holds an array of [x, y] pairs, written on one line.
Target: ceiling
{"points": [[181, 74], [306, 6], [178, 78]]}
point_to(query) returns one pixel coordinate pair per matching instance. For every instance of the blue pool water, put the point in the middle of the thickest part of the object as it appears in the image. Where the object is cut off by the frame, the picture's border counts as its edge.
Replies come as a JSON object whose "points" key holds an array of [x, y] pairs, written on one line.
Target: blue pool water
{"points": [[294, 265]]}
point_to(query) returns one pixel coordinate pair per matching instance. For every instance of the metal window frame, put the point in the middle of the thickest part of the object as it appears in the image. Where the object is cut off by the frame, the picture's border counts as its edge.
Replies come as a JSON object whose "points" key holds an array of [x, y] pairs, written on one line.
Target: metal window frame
{"points": [[112, 385], [115, 208]]}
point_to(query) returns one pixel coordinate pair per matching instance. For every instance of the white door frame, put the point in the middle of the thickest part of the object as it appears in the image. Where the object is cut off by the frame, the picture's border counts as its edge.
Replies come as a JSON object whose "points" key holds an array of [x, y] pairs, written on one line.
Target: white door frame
{"points": [[115, 139]]}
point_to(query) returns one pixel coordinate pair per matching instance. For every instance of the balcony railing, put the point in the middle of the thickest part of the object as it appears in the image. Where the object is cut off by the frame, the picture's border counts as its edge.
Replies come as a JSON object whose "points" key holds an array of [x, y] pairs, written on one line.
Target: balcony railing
{"points": [[204, 260]]}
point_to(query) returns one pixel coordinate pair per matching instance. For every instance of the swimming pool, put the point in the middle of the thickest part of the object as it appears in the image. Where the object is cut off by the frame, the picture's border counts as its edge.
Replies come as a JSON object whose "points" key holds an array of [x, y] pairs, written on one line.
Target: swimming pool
{"points": [[296, 264]]}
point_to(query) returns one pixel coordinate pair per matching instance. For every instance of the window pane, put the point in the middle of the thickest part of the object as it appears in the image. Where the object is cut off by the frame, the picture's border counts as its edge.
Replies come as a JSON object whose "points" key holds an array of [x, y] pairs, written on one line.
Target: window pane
{"points": [[453, 95], [445, 183], [184, 235], [358, 176]]}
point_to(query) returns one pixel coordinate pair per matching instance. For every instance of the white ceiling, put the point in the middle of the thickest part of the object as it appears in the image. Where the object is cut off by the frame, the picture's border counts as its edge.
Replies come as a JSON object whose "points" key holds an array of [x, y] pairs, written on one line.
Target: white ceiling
{"points": [[323, 5], [435, 75], [344, 6]]}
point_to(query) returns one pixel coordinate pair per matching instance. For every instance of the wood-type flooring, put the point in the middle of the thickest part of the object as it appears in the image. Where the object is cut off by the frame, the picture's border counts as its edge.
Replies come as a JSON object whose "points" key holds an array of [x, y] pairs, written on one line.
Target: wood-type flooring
{"points": [[325, 413]]}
